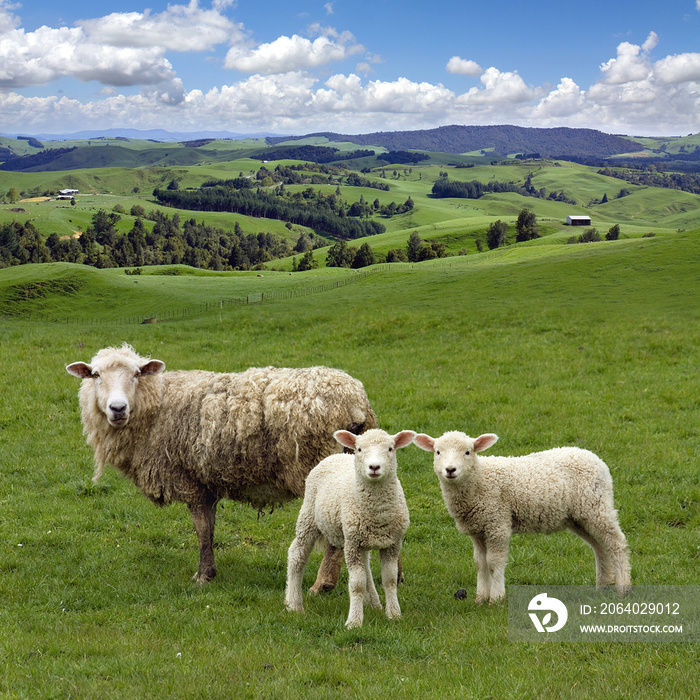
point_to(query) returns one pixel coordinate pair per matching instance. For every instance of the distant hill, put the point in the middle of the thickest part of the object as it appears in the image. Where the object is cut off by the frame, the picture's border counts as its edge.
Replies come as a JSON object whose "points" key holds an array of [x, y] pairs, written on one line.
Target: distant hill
{"points": [[504, 140]]}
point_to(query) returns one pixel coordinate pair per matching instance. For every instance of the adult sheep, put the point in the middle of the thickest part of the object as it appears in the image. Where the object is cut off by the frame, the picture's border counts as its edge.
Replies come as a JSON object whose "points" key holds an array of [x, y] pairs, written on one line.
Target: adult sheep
{"points": [[198, 437]]}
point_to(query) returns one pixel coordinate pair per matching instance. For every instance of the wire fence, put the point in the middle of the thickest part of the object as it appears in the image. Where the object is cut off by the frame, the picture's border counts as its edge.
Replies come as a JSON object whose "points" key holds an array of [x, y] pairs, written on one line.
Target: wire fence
{"points": [[212, 306]]}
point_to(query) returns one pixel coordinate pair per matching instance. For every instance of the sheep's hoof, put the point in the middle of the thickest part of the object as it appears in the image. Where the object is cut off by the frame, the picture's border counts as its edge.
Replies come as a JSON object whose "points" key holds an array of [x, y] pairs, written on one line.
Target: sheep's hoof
{"points": [[201, 578], [321, 588]]}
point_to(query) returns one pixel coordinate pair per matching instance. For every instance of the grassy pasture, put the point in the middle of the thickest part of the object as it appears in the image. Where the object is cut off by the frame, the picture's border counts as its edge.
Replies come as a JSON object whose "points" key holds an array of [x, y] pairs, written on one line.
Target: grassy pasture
{"points": [[594, 345]]}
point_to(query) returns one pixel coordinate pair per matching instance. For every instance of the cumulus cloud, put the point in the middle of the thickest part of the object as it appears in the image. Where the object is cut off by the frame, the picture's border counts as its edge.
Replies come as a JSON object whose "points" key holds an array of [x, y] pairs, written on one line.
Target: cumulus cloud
{"points": [[289, 54], [632, 62], [679, 68], [463, 66], [178, 28], [507, 87]]}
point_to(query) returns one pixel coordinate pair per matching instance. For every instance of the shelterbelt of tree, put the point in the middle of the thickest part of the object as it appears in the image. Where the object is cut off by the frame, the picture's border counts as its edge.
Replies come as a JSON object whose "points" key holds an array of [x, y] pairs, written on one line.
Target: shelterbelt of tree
{"points": [[269, 206]]}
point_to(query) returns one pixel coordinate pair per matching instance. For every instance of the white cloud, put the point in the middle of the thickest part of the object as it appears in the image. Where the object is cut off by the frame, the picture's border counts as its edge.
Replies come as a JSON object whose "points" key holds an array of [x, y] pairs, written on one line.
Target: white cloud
{"points": [[178, 28], [37, 58], [499, 87], [462, 66], [679, 68], [289, 54]]}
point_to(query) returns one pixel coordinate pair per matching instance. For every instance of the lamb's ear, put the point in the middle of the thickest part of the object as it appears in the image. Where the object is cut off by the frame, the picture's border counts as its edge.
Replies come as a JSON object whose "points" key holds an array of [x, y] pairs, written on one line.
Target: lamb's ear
{"points": [[345, 438], [483, 442], [404, 438], [152, 367], [82, 370], [425, 442]]}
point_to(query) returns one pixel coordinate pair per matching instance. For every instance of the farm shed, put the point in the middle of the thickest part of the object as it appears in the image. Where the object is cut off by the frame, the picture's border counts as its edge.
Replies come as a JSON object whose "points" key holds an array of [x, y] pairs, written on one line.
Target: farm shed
{"points": [[578, 220]]}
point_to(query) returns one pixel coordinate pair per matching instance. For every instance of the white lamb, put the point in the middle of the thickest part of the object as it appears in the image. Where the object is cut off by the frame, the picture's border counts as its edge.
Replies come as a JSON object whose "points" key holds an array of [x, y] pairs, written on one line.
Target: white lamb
{"points": [[492, 497], [356, 502]]}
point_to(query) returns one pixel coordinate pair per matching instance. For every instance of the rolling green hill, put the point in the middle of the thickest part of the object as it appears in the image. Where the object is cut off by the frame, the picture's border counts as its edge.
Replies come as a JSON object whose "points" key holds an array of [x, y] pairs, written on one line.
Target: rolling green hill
{"points": [[593, 345]]}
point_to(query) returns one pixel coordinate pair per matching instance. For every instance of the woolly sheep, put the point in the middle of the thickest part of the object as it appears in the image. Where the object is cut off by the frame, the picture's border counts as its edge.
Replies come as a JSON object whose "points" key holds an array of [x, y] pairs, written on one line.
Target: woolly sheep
{"points": [[492, 497], [197, 437], [355, 502]]}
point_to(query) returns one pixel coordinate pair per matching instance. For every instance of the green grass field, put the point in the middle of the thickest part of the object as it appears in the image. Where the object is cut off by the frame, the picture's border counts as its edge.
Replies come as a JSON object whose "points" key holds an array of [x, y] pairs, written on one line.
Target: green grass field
{"points": [[593, 345]]}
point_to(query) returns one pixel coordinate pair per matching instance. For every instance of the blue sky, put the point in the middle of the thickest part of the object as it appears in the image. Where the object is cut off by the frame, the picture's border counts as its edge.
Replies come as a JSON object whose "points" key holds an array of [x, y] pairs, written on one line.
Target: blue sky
{"points": [[294, 67]]}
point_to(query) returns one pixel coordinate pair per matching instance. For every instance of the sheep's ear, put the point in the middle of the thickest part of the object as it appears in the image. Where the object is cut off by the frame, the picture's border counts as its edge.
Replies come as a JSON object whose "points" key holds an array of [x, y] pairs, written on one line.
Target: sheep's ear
{"points": [[345, 438], [483, 442], [152, 367], [404, 438], [82, 370], [425, 442]]}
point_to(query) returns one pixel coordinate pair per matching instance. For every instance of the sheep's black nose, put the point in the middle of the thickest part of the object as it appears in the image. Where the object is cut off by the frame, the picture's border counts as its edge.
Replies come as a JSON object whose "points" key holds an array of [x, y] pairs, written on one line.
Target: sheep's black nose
{"points": [[450, 471], [117, 407]]}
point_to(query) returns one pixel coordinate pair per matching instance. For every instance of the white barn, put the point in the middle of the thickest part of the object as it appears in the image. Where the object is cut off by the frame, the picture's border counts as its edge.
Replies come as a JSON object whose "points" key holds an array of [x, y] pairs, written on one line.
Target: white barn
{"points": [[578, 220]]}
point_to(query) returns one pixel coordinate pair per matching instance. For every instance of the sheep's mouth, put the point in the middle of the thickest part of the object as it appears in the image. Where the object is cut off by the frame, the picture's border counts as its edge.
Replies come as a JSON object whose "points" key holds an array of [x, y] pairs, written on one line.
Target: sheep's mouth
{"points": [[118, 422]]}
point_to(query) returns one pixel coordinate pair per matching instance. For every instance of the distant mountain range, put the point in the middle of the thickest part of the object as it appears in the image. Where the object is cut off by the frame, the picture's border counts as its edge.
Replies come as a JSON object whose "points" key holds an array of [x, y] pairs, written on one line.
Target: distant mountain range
{"points": [[506, 139], [584, 145], [147, 135]]}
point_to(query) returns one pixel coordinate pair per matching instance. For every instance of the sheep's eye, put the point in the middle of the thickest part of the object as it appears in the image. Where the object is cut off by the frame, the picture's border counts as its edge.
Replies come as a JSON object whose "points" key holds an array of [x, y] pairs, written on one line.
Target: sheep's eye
{"points": [[467, 452], [95, 375], [391, 449], [437, 452], [359, 449]]}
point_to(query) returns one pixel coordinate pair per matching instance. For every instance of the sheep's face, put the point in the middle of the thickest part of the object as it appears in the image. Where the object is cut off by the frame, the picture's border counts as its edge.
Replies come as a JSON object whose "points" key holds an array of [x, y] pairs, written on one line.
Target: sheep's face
{"points": [[114, 379], [375, 452], [454, 454]]}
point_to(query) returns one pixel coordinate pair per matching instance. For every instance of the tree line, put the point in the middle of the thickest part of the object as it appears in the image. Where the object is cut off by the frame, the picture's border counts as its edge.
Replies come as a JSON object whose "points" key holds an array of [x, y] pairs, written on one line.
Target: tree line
{"points": [[168, 242], [319, 214]]}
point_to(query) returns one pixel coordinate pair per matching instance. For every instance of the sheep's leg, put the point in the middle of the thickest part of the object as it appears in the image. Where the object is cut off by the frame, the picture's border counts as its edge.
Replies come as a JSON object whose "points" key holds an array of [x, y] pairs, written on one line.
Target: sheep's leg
{"points": [[496, 560], [297, 558], [357, 582], [611, 553], [483, 577], [204, 518], [390, 578], [329, 571], [371, 596]]}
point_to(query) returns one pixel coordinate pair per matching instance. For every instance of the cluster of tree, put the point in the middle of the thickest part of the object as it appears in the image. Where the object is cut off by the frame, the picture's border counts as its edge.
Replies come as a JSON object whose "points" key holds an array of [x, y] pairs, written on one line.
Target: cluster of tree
{"points": [[35, 161], [168, 243], [355, 180], [341, 254], [318, 214], [474, 189], [315, 154], [31, 141], [402, 157], [688, 182], [591, 235]]}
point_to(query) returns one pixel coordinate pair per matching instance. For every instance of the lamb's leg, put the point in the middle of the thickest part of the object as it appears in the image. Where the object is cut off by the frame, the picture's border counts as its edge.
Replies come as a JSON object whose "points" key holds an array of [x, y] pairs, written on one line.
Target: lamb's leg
{"points": [[329, 571], [390, 578], [297, 558], [483, 577], [496, 560], [371, 595], [357, 581], [204, 518], [611, 553], [604, 572]]}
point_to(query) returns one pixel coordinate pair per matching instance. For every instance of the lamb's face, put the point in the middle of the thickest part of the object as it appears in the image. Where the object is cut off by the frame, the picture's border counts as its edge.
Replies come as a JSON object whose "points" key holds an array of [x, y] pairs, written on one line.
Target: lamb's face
{"points": [[375, 452], [454, 454], [454, 457], [114, 382], [375, 459]]}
